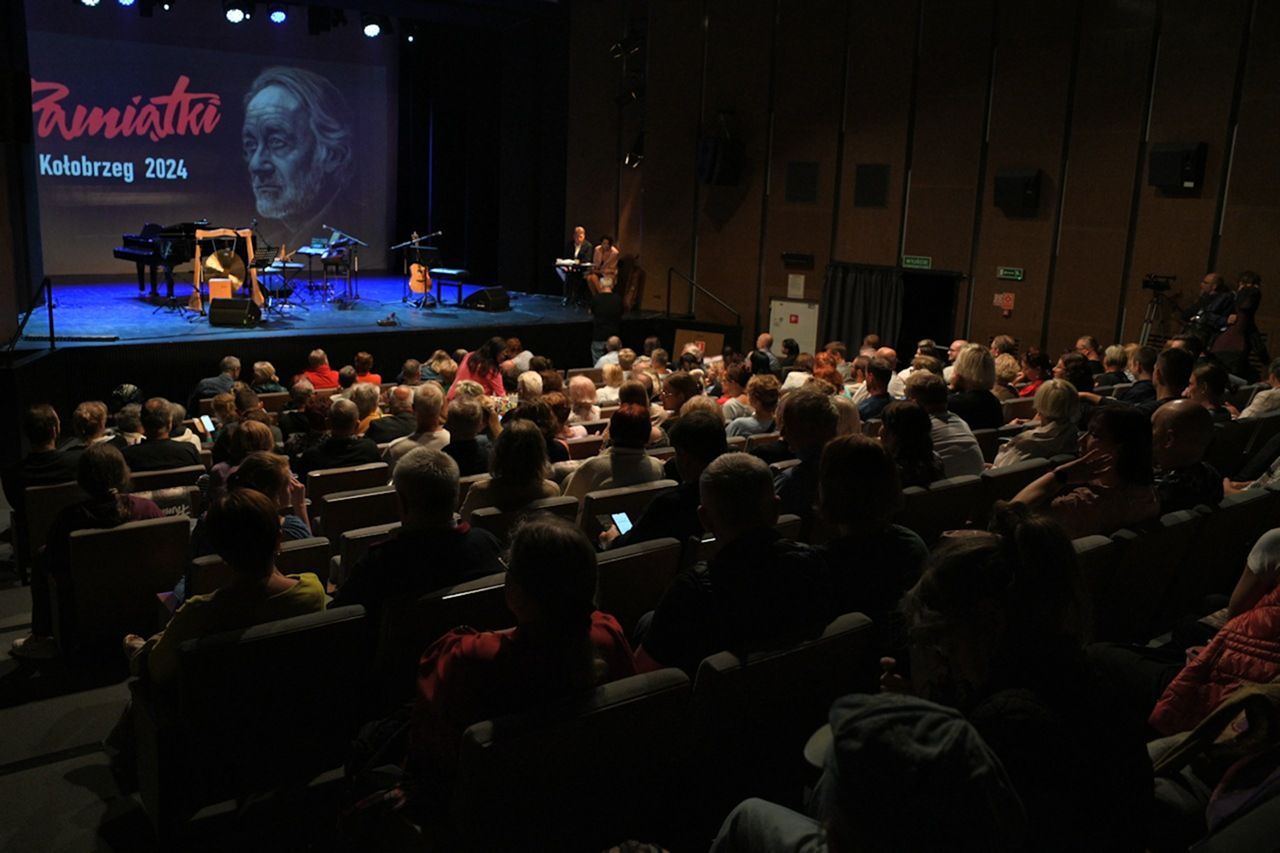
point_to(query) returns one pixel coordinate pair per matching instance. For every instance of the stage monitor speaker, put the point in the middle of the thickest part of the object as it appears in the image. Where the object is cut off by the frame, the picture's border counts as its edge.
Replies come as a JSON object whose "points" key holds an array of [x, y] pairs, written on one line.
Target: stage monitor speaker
{"points": [[1018, 192], [1177, 167], [488, 299], [234, 312]]}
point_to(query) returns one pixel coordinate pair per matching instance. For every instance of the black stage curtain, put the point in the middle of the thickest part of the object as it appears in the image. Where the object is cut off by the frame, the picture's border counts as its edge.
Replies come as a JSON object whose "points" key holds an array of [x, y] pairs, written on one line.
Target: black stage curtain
{"points": [[858, 300]]}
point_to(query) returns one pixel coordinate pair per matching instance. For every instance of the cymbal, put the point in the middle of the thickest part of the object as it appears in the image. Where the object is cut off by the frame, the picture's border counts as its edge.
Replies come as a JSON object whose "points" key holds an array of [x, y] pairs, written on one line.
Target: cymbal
{"points": [[225, 263]]}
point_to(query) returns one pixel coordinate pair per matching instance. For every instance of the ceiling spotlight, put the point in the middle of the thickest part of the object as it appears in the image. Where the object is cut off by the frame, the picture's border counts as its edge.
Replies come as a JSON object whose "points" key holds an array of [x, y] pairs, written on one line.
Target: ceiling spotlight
{"points": [[374, 25], [278, 14], [237, 11], [89, 2], [635, 156], [127, 2]]}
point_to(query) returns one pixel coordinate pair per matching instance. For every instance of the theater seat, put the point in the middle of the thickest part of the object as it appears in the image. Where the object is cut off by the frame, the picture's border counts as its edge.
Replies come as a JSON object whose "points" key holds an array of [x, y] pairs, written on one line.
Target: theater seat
{"points": [[1003, 484], [256, 710], [581, 775], [328, 480], [210, 573], [338, 512], [945, 505], [633, 500], [149, 481], [501, 523], [751, 717], [1226, 452], [1144, 568], [634, 577]]}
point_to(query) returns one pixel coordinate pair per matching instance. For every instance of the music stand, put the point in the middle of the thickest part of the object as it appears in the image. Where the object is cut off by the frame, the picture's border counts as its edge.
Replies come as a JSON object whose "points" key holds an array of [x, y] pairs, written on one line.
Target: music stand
{"points": [[350, 245]]}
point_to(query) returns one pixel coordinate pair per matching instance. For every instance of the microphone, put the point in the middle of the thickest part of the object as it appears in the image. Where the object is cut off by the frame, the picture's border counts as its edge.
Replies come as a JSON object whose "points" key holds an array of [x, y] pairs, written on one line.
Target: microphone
{"points": [[328, 228], [434, 234]]}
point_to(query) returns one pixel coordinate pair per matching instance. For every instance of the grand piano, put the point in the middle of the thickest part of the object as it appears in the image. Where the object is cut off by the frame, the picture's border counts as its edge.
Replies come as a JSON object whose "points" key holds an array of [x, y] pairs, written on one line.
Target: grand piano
{"points": [[154, 247]]}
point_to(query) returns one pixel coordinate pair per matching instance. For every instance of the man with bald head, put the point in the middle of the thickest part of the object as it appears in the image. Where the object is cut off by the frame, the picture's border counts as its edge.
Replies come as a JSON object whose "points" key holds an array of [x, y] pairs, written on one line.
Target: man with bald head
{"points": [[428, 430], [1180, 434], [764, 344], [952, 351], [897, 387], [398, 421], [343, 447]]}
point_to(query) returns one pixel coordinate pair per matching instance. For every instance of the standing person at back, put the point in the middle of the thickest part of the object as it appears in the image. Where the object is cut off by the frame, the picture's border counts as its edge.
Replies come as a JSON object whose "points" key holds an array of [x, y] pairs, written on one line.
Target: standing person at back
{"points": [[318, 371]]}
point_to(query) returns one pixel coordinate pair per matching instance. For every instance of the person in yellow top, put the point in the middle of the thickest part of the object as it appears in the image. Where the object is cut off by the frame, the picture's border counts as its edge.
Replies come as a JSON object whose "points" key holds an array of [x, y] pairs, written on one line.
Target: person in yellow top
{"points": [[244, 528]]}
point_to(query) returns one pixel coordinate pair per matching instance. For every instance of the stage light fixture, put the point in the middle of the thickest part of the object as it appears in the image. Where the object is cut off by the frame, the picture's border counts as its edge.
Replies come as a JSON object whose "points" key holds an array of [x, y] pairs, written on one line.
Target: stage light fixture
{"points": [[278, 13], [90, 2], [373, 25], [635, 156], [127, 2], [237, 11]]}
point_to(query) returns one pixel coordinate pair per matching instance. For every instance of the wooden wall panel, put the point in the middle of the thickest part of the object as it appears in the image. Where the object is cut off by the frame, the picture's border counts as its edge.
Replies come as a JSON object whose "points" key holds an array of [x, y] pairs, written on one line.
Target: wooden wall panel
{"points": [[1035, 43], [878, 95], [808, 67], [1106, 133], [673, 93], [739, 39], [1195, 81], [952, 87], [591, 196], [1251, 225]]}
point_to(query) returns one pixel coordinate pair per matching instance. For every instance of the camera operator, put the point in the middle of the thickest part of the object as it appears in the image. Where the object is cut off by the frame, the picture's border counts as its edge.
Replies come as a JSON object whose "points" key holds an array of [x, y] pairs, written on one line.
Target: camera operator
{"points": [[1208, 315], [1240, 337]]}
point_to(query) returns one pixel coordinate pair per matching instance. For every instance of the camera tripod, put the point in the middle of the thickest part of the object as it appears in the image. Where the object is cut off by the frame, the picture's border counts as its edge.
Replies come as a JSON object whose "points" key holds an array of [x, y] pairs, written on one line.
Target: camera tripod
{"points": [[1158, 309]]}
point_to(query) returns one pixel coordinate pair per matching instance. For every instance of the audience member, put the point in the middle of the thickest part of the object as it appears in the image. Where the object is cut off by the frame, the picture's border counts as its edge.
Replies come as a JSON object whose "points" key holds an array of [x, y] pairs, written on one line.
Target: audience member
{"points": [[366, 397], [314, 419], [467, 446], [892, 755], [1180, 435], [561, 645], [1074, 367], [364, 369], [758, 592], [518, 354], [678, 389], [658, 363], [441, 368], [399, 420], [265, 380], [613, 376], [529, 387], [1267, 400], [993, 627], [953, 352], [482, 366], [760, 364], [291, 419], [952, 439], [807, 421], [733, 388], [228, 373], [1004, 345], [762, 395], [244, 528], [428, 551], [1087, 347], [44, 463], [412, 374], [800, 372], [1240, 337], [103, 475], [428, 414], [224, 413], [1007, 370], [698, 440], [518, 469], [895, 386], [624, 462], [872, 561], [346, 381], [318, 371], [248, 437], [129, 425], [764, 346], [1036, 368], [552, 381], [973, 375], [1114, 361], [1208, 389], [269, 474], [848, 422], [1057, 406], [907, 434], [1109, 486], [612, 346], [88, 425], [158, 451], [879, 372], [582, 400], [343, 447], [1142, 364]]}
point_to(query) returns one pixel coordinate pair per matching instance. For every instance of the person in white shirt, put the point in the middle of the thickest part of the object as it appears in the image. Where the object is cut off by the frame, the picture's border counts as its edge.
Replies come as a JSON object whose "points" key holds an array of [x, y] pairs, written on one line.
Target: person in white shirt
{"points": [[582, 400], [952, 351], [612, 346], [1267, 401], [952, 438], [607, 394], [428, 410], [897, 385]]}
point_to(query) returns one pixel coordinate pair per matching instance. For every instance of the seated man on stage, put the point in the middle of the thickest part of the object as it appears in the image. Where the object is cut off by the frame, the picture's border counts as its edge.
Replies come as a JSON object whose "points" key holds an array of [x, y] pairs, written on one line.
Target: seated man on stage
{"points": [[578, 249]]}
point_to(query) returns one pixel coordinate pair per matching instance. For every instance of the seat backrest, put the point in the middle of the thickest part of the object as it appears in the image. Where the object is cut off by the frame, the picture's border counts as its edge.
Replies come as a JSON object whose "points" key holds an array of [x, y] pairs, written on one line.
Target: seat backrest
{"points": [[594, 427], [1231, 529], [989, 441], [662, 454], [702, 549], [737, 442], [1226, 452], [585, 447], [946, 505], [500, 523], [409, 627], [754, 441], [43, 505], [271, 702], [115, 575], [871, 428], [356, 542], [209, 573], [750, 716], [634, 577], [544, 768], [327, 480], [1003, 484], [1018, 407], [177, 500], [1267, 427], [778, 467], [338, 512], [150, 481], [465, 484], [274, 401], [1144, 569], [595, 374], [633, 500]]}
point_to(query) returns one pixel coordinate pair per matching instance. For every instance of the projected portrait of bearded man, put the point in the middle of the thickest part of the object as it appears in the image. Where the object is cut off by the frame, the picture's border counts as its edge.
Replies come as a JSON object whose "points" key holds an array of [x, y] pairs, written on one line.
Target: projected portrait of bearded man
{"points": [[298, 145]]}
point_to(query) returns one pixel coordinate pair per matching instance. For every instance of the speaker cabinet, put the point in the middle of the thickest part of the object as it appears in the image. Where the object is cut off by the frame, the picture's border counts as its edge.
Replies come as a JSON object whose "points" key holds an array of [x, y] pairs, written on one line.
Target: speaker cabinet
{"points": [[1018, 192], [1177, 167], [234, 312], [488, 299]]}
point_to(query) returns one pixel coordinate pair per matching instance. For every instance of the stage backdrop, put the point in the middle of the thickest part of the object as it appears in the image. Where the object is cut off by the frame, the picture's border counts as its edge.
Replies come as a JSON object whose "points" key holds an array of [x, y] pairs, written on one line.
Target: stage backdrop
{"points": [[191, 118]]}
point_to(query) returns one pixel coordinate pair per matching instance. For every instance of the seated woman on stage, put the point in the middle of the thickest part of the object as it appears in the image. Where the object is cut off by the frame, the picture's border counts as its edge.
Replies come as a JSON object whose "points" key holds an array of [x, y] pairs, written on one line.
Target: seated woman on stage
{"points": [[518, 469], [483, 366], [104, 476]]}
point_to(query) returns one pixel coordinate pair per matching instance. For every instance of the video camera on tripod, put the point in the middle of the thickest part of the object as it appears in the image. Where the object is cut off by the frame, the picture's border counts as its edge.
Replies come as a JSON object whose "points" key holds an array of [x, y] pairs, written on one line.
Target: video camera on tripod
{"points": [[1158, 283]]}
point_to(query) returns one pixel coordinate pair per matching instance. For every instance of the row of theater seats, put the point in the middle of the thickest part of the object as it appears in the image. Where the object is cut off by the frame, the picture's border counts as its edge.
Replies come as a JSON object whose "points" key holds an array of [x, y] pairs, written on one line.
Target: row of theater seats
{"points": [[651, 756]]}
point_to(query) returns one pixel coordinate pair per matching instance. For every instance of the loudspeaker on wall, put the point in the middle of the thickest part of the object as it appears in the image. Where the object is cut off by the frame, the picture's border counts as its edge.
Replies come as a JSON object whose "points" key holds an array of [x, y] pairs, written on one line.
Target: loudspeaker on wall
{"points": [[1018, 192], [1177, 166]]}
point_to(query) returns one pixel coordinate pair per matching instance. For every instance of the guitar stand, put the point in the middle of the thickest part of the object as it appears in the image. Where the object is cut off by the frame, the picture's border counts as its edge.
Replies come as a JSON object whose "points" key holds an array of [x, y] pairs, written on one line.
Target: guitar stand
{"points": [[174, 305]]}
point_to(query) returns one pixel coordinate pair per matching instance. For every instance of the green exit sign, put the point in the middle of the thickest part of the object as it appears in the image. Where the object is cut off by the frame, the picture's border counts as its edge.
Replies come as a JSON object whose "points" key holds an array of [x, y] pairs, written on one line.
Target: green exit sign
{"points": [[1009, 273], [917, 262]]}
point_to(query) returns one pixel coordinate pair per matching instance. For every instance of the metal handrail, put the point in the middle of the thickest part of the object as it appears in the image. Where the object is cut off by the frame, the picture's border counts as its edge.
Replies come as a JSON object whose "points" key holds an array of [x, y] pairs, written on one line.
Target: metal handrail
{"points": [[693, 298]]}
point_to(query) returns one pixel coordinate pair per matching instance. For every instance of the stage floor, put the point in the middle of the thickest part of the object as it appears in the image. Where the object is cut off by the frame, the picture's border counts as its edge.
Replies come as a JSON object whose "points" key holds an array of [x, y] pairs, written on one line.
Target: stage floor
{"points": [[112, 312]]}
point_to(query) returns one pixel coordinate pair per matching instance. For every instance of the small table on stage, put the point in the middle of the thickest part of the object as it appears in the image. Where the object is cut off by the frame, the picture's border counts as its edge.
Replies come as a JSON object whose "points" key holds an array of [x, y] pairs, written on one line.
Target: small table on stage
{"points": [[442, 276]]}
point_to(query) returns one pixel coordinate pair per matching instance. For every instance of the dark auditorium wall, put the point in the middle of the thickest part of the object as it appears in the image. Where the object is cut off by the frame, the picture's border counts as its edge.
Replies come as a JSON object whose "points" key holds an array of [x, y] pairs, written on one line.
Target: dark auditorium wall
{"points": [[947, 93]]}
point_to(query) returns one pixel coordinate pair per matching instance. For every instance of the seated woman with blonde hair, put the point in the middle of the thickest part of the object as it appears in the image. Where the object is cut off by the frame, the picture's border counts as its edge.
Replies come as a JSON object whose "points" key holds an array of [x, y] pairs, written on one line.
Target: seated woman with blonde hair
{"points": [[1057, 406]]}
